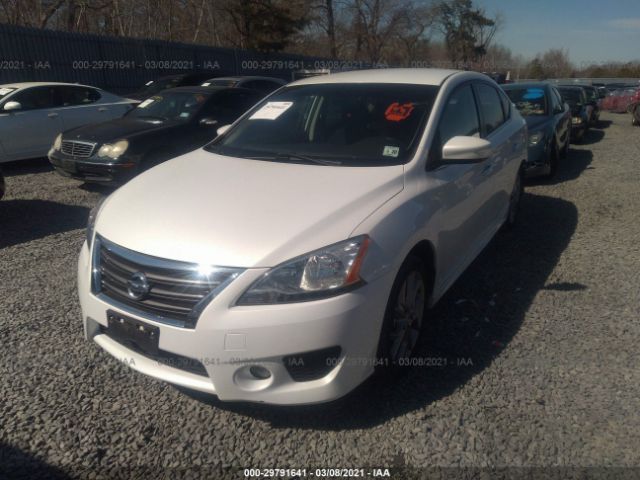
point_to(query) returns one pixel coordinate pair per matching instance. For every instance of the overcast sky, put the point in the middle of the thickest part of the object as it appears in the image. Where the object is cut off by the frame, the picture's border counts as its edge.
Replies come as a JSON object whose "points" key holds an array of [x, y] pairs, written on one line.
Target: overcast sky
{"points": [[592, 30]]}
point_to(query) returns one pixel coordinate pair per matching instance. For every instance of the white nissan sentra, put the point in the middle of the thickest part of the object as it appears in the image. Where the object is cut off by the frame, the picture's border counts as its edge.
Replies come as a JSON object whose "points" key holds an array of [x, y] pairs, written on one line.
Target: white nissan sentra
{"points": [[300, 251]]}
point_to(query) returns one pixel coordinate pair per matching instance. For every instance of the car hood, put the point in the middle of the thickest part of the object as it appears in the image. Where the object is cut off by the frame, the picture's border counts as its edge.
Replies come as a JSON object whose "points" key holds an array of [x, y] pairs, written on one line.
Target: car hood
{"points": [[211, 209], [113, 130], [536, 122]]}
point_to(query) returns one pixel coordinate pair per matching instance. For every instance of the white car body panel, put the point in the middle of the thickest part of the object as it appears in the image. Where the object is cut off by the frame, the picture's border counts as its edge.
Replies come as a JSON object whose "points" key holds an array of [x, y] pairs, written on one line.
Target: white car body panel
{"points": [[207, 230], [207, 208], [30, 133]]}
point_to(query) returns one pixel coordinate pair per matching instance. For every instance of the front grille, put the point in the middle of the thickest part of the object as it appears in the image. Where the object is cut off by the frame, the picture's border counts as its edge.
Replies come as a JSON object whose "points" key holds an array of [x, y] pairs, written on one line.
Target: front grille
{"points": [[174, 292], [77, 149], [163, 357]]}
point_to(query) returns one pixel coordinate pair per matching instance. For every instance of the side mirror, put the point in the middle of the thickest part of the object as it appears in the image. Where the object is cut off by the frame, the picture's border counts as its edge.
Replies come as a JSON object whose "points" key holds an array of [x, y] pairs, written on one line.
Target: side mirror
{"points": [[222, 129], [466, 149], [208, 121], [10, 106]]}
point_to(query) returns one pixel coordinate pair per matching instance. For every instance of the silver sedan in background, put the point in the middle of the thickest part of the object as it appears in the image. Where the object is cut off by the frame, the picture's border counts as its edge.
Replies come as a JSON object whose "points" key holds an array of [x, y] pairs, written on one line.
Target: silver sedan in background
{"points": [[33, 114]]}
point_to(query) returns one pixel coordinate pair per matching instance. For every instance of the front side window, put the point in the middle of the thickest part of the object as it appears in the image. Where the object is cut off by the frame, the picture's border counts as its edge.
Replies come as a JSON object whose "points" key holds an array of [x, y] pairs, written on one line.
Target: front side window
{"points": [[345, 124], [36, 98], [490, 108], [459, 118], [170, 106], [529, 101]]}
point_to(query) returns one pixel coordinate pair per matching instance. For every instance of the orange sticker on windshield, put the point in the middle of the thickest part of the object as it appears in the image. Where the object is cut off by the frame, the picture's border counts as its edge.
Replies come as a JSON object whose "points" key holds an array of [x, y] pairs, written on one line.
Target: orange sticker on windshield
{"points": [[396, 112]]}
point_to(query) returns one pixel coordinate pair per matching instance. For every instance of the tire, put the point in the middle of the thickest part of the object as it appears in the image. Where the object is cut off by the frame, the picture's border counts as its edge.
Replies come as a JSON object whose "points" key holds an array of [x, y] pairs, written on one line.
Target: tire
{"points": [[635, 116], [515, 200], [405, 315], [564, 153], [554, 160]]}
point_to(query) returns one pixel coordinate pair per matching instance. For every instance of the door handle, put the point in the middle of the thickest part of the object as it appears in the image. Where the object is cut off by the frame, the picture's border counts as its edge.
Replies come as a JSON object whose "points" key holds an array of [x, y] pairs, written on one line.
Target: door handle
{"points": [[52, 115], [103, 109]]}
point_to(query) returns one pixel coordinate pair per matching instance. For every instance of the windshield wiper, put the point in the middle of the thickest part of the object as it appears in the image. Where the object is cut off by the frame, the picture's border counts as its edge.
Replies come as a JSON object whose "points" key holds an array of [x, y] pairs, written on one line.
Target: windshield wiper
{"points": [[294, 156]]}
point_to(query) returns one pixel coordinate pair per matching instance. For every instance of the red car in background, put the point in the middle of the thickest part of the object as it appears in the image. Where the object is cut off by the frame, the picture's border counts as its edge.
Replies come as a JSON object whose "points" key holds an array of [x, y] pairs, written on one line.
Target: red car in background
{"points": [[634, 107], [620, 100]]}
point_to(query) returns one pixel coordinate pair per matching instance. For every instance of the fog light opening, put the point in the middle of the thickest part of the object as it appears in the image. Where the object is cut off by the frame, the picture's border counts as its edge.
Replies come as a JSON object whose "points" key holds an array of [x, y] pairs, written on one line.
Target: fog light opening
{"points": [[259, 372]]}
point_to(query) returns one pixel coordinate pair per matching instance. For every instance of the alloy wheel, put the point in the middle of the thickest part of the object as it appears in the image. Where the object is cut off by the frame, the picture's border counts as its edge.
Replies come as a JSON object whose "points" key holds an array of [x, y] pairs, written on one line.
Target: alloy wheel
{"points": [[407, 316]]}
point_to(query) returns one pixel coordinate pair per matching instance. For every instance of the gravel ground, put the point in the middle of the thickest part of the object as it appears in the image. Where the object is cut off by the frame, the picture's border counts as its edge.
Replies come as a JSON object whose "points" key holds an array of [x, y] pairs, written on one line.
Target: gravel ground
{"points": [[540, 338]]}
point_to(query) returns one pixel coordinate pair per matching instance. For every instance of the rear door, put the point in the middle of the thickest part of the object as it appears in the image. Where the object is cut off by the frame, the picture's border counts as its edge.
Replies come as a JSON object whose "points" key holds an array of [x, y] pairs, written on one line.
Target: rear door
{"points": [[30, 131], [80, 106], [498, 180]]}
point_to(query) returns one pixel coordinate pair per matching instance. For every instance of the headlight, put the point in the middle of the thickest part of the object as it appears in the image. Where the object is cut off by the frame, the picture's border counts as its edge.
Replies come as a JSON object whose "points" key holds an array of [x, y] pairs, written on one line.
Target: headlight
{"points": [[57, 143], [113, 150], [91, 222], [320, 274], [535, 138]]}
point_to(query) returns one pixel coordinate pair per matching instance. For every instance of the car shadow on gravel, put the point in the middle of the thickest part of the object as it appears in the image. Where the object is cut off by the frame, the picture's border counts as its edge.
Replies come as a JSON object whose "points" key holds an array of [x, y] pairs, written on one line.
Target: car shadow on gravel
{"points": [[569, 168], [23, 167], [469, 328], [25, 220], [15, 463], [592, 136], [603, 124]]}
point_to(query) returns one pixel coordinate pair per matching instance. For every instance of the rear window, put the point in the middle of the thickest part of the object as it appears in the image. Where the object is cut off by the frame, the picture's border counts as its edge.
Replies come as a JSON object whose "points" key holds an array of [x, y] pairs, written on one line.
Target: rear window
{"points": [[529, 101]]}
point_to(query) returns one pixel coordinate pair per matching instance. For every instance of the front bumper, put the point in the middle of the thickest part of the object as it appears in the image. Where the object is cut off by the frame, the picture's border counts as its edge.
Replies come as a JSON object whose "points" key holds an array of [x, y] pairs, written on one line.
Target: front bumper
{"points": [[228, 340], [94, 169]]}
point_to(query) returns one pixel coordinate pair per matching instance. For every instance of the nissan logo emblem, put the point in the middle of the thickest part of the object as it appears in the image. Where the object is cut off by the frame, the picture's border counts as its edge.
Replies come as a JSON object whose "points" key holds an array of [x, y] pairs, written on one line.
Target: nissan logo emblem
{"points": [[138, 286]]}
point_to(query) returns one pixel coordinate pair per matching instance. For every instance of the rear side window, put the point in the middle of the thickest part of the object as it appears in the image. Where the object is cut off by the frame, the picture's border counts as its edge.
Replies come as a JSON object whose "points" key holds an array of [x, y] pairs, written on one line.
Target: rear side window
{"points": [[490, 108], [506, 105], [72, 96]]}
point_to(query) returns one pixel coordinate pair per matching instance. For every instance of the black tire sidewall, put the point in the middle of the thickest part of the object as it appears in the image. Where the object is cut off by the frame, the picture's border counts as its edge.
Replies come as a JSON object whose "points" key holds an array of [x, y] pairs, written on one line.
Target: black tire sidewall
{"points": [[412, 263]]}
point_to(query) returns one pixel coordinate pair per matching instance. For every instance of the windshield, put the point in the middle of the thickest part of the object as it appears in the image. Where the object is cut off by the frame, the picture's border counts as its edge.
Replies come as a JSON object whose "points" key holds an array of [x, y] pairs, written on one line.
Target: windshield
{"points": [[160, 84], [338, 124], [592, 94], [572, 97], [220, 82], [529, 101], [4, 91], [175, 106]]}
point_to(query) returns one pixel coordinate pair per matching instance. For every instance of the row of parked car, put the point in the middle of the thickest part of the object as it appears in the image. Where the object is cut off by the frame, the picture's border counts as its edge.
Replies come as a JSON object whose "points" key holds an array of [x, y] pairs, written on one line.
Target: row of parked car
{"points": [[108, 138], [299, 251]]}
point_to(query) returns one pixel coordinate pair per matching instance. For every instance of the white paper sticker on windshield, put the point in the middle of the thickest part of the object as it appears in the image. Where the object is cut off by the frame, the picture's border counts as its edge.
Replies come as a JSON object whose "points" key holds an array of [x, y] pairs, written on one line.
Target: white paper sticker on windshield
{"points": [[149, 83], [184, 114], [391, 151], [4, 91], [206, 84], [271, 111], [146, 103]]}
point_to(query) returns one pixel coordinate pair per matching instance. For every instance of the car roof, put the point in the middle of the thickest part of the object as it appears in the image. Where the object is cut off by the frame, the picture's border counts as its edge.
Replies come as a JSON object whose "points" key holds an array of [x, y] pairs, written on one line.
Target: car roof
{"points": [[419, 76], [248, 77], [201, 89], [570, 87], [510, 86], [44, 84]]}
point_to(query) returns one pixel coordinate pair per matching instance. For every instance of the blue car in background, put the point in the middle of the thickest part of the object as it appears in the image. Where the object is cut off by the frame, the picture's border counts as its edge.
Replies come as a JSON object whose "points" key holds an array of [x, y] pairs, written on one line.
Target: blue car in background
{"points": [[548, 120]]}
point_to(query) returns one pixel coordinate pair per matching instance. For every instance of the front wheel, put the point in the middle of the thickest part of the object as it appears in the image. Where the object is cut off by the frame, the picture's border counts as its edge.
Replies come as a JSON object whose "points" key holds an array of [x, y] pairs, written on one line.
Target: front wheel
{"points": [[514, 201], [554, 159], [405, 314]]}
